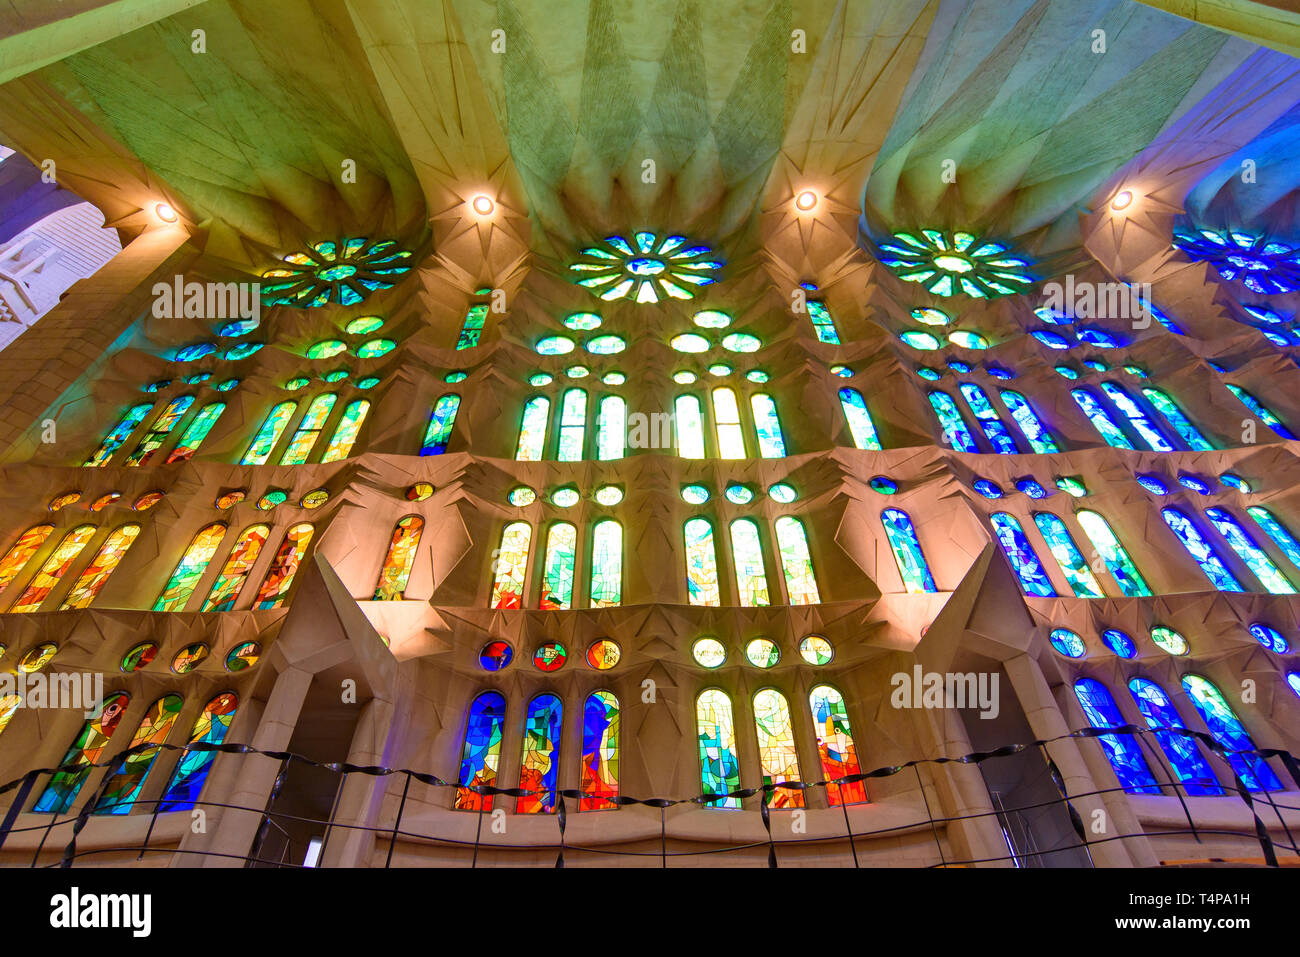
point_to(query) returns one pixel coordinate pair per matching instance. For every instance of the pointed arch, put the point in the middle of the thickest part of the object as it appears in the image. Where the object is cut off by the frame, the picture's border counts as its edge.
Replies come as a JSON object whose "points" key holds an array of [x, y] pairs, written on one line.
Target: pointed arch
{"points": [[510, 566], [835, 747], [442, 419], [480, 757], [600, 755], [702, 586], [558, 566], [118, 435], [309, 429], [606, 564], [716, 737], [776, 750], [747, 557], [532, 429], [196, 432], [157, 434], [796, 562], [539, 765], [906, 546]]}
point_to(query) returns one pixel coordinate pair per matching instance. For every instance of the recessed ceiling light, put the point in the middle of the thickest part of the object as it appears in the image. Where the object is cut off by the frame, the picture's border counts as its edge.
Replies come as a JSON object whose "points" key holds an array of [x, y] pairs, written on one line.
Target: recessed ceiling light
{"points": [[166, 213], [1123, 199], [483, 205], [805, 200]]}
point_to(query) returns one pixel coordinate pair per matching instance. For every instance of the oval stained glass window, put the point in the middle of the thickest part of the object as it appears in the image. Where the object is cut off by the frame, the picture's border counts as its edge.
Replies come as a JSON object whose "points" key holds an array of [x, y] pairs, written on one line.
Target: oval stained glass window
{"points": [[919, 340], [931, 316], [242, 351], [741, 342], [609, 495], [738, 495], [104, 501], [756, 375], [695, 494], [196, 351], [451, 378], [711, 319], [690, 342], [326, 348], [337, 375], [577, 372], [603, 654], [684, 377], [315, 498], [1119, 642], [555, 346], [371, 381], [362, 325], [375, 348], [1067, 643], [1169, 640], [293, 385], [762, 653], [540, 379], [709, 653], [38, 657], [419, 491], [582, 321], [271, 499], [550, 656], [495, 656], [967, 339], [885, 486], [613, 378], [189, 658], [240, 327], [1270, 638], [606, 345], [139, 656], [816, 650], [230, 499], [783, 493], [521, 496], [67, 498], [565, 497], [243, 656]]}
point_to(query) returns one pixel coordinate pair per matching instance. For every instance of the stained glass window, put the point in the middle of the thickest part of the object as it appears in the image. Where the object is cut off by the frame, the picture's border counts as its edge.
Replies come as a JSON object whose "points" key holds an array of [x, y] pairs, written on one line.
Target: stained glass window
{"points": [[122, 789], [701, 564], [441, 421], [1210, 561], [611, 428], [1168, 640], [948, 264], [557, 572], [861, 427], [796, 562], [481, 756], [161, 428], [539, 766], [771, 443], [1117, 560], [835, 747], [345, 433], [396, 570], [954, 428], [86, 750], [190, 569], [1177, 420], [279, 578], [264, 442], [92, 578], [747, 555], [573, 426], [987, 417], [1122, 750], [1275, 530], [532, 429], [606, 564], [1231, 734], [822, 322], [55, 567], [1260, 411], [726, 415], [1040, 439], [472, 328], [1101, 420], [1137, 418], [1024, 561], [118, 435], [903, 541], [719, 767], [309, 429], [1249, 552], [1190, 766], [21, 551], [243, 555], [196, 432], [776, 749], [1067, 555], [1269, 637], [655, 268], [689, 424], [600, 758], [510, 566], [1119, 642]]}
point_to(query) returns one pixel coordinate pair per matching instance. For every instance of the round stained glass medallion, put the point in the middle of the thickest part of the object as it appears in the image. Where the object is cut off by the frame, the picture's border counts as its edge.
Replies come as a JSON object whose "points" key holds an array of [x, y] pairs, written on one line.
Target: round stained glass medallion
{"points": [[550, 656], [139, 656], [495, 656], [243, 656], [762, 653], [709, 653], [603, 654], [816, 650], [189, 658], [38, 657]]}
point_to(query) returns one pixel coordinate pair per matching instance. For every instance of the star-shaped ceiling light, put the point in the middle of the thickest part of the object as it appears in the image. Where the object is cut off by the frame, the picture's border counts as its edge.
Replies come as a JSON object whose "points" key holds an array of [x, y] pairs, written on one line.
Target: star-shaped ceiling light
{"points": [[960, 263], [339, 272], [652, 270], [1265, 266]]}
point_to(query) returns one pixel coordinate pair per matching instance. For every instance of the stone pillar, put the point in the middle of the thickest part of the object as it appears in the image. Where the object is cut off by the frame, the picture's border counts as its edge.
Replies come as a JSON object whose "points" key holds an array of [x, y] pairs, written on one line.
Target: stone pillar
{"points": [[363, 795]]}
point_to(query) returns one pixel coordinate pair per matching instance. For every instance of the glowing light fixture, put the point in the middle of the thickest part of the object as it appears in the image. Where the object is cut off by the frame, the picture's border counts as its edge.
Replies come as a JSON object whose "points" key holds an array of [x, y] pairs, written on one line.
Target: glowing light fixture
{"points": [[483, 205], [166, 212], [1123, 200], [806, 200]]}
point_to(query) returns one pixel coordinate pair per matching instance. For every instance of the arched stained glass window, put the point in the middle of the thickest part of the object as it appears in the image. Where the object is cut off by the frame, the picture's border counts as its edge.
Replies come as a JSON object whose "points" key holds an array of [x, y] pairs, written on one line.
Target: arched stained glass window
{"points": [[396, 570], [747, 556], [1255, 557], [86, 750], [1122, 750], [557, 572], [264, 442], [861, 427], [510, 566], [689, 424], [309, 429], [1067, 555], [716, 734], [1190, 766], [767, 426], [987, 416], [481, 756], [190, 569], [472, 328], [1111, 433], [1117, 560], [611, 428], [822, 322], [9, 705], [726, 417], [55, 567], [157, 434], [92, 578], [122, 789], [1210, 561], [796, 562], [701, 564], [21, 552], [539, 766], [776, 750], [242, 557], [1260, 410], [1265, 519], [279, 577], [1040, 438], [600, 758], [606, 564], [1024, 561], [839, 755], [443, 418], [1177, 420], [1137, 418], [573, 426], [196, 432], [346, 432], [192, 769], [954, 428], [1231, 734], [118, 435], [532, 429], [906, 546]]}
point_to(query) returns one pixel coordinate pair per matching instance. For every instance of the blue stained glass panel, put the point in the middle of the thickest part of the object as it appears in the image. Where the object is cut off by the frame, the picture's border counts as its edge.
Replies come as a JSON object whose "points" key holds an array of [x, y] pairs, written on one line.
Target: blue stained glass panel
{"points": [[1231, 734], [1210, 561], [1122, 750], [1190, 766], [1024, 561]]}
